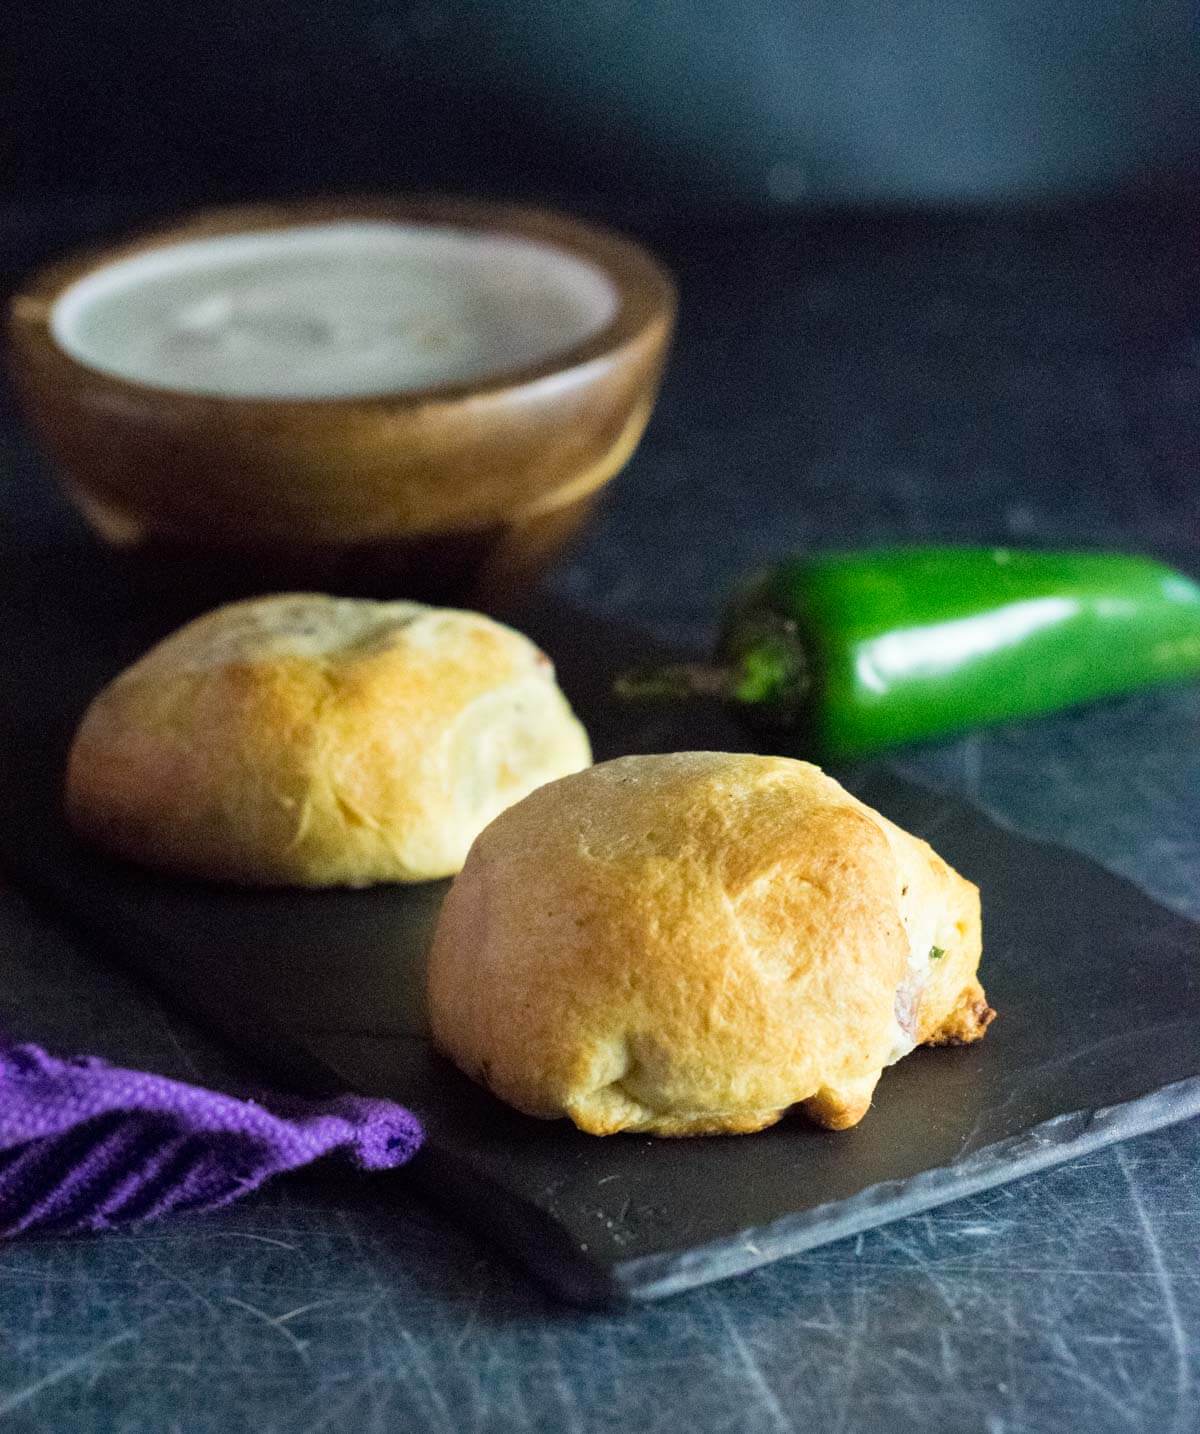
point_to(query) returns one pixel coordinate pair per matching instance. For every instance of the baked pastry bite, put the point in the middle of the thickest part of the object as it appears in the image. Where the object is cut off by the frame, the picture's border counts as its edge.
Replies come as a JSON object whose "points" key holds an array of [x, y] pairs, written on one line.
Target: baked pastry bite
{"points": [[692, 944], [318, 741]]}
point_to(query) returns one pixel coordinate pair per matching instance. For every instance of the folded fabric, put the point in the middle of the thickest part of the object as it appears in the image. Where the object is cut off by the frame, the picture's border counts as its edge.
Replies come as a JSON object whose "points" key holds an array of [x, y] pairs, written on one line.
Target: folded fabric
{"points": [[85, 1145]]}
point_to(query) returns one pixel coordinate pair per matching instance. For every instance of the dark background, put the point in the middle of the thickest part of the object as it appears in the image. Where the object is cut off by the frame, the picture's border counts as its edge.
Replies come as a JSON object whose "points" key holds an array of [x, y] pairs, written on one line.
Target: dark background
{"points": [[642, 108]]}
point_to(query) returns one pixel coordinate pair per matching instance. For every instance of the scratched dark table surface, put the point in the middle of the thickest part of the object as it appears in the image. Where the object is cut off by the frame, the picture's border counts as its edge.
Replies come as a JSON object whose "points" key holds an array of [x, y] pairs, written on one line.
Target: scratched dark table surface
{"points": [[1000, 377]]}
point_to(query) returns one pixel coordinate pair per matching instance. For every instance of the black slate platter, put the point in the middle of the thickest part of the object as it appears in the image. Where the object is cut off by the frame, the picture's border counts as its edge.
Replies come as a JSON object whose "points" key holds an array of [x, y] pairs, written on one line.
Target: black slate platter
{"points": [[1098, 990]]}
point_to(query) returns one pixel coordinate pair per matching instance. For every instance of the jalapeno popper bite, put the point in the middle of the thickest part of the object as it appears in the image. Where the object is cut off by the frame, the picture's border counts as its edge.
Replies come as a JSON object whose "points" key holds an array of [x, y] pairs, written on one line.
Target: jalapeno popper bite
{"points": [[695, 943], [316, 741]]}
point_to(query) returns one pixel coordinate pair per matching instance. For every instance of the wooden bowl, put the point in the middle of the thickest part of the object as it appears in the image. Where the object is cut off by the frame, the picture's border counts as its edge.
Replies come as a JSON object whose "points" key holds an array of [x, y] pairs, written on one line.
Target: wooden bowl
{"points": [[430, 490]]}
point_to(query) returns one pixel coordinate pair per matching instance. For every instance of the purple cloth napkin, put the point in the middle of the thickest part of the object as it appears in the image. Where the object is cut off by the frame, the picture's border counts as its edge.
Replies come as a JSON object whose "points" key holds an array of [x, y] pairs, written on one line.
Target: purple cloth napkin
{"points": [[86, 1146]]}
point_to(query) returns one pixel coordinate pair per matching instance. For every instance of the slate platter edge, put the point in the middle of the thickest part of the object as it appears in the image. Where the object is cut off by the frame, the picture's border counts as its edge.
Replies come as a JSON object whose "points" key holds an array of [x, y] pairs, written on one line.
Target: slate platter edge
{"points": [[1064, 1137]]}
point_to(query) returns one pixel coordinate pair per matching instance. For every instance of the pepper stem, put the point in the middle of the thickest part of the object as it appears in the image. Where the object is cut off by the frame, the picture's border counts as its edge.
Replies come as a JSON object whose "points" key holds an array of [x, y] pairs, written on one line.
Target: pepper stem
{"points": [[673, 682]]}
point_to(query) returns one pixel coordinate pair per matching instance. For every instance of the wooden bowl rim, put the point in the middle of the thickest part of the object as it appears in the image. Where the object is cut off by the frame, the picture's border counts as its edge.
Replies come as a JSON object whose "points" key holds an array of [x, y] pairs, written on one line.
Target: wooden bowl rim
{"points": [[646, 296]]}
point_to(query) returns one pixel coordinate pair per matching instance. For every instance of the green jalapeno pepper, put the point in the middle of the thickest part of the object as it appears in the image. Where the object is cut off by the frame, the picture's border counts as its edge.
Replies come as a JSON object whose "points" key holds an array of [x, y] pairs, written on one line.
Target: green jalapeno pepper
{"points": [[858, 652]]}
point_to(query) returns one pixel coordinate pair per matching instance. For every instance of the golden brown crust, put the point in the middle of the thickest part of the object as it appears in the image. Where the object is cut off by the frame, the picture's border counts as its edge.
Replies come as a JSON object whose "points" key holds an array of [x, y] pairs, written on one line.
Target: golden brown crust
{"points": [[967, 1022], [316, 741], [694, 943]]}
